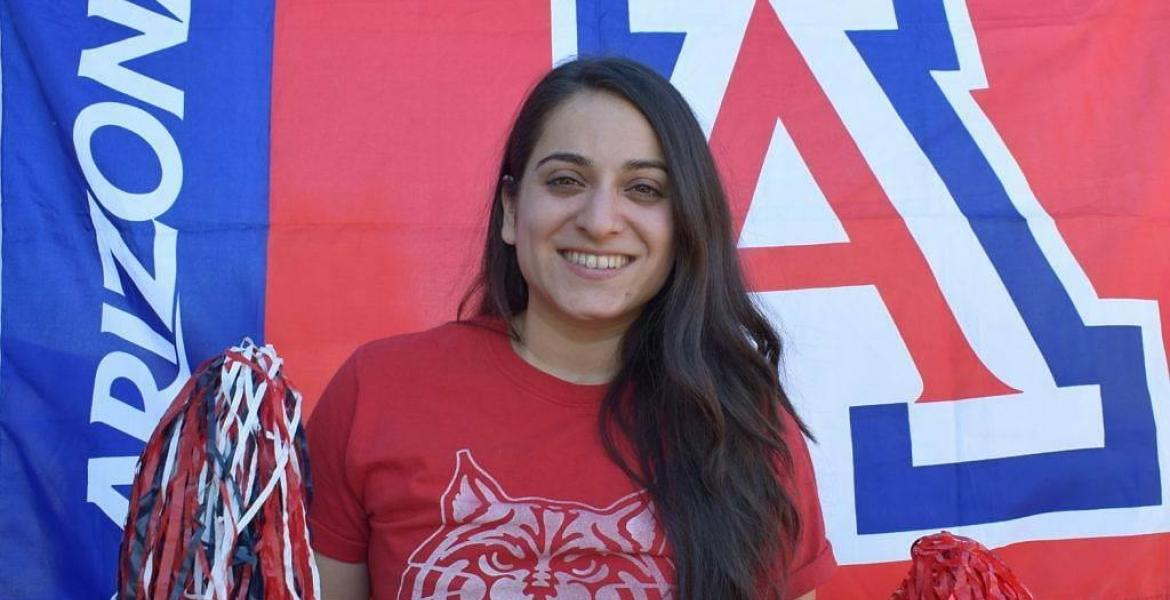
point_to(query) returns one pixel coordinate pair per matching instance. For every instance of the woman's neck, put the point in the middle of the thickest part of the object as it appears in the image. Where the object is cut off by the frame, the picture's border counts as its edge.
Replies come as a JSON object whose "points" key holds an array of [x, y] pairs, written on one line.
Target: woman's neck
{"points": [[578, 353]]}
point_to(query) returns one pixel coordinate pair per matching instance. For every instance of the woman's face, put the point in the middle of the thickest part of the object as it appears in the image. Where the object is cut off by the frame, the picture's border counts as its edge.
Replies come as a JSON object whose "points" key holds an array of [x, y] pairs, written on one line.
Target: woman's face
{"points": [[591, 217]]}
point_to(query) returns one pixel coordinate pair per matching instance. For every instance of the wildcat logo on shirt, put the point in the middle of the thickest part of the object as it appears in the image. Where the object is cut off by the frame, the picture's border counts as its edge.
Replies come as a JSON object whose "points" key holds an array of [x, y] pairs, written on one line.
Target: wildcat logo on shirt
{"points": [[492, 545]]}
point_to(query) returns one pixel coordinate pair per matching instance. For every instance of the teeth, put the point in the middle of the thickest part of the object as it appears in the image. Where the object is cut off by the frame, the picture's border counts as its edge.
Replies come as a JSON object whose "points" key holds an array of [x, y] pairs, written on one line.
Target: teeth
{"points": [[596, 261]]}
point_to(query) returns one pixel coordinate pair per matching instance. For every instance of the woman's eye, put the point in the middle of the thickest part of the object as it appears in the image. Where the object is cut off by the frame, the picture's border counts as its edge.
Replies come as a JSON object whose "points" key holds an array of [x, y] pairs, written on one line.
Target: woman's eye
{"points": [[563, 181], [645, 189]]}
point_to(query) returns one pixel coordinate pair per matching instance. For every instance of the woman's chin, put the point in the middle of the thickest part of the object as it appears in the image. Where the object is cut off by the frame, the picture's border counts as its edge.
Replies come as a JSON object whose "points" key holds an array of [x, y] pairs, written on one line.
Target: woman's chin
{"points": [[600, 316]]}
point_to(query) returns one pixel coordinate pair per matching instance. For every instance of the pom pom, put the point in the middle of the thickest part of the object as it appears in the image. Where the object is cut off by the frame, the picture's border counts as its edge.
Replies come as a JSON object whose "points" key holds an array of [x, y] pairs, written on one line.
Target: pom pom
{"points": [[951, 567], [218, 505]]}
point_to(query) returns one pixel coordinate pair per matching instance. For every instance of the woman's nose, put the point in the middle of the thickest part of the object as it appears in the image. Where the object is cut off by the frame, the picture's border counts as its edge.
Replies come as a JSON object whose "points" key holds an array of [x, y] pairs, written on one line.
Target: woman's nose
{"points": [[600, 215]]}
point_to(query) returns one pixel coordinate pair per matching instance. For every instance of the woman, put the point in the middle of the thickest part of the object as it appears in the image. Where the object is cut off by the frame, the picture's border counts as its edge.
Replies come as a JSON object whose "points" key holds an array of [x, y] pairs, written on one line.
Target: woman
{"points": [[609, 424]]}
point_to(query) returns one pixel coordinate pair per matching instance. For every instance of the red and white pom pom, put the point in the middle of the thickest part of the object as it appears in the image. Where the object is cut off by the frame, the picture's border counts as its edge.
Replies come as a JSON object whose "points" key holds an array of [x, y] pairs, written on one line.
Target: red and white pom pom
{"points": [[219, 501]]}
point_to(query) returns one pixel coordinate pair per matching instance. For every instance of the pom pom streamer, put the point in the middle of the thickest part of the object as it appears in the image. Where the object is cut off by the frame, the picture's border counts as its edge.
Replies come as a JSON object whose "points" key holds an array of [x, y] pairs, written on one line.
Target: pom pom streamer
{"points": [[218, 505], [952, 567]]}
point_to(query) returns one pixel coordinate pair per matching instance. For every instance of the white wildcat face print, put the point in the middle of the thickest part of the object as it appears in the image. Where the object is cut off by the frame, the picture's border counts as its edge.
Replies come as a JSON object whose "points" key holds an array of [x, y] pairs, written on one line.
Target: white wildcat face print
{"points": [[493, 546]]}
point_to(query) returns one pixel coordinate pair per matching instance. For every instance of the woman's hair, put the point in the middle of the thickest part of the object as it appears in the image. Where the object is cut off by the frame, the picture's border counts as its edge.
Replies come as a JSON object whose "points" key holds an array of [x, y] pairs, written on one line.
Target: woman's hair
{"points": [[697, 395]]}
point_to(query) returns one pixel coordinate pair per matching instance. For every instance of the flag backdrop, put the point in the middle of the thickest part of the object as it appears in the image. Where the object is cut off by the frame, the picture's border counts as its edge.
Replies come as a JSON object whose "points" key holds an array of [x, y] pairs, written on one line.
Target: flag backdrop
{"points": [[957, 212]]}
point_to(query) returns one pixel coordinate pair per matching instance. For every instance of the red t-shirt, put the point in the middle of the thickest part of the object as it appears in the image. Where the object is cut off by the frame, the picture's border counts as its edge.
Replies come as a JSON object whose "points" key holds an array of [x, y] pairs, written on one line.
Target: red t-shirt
{"points": [[453, 468]]}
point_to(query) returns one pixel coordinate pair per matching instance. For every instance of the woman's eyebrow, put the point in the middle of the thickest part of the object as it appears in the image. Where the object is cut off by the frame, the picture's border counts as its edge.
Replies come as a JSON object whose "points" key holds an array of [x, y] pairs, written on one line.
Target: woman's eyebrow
{"points": [[581, 161], [634, 165], [568, 157]]}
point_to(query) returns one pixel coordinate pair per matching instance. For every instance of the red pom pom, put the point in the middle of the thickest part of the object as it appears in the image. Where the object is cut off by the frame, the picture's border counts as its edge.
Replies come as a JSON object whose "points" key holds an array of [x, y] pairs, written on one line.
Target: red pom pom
{"points": [[951, 567], [218, 506]]}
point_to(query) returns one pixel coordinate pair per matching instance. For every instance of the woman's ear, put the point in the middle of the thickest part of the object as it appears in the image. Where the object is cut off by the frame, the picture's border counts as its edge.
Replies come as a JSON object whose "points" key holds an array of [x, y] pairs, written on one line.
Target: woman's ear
{"points": [[508, 200]]}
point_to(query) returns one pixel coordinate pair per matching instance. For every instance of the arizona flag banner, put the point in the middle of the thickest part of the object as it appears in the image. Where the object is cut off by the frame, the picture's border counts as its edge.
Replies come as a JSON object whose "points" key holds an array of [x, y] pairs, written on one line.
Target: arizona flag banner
{"points": [[956, 212]]}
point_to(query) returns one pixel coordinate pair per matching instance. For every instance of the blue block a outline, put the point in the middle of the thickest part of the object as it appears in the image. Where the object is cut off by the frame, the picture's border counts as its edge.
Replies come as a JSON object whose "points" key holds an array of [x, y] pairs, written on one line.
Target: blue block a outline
{"points": [[891, 494]]}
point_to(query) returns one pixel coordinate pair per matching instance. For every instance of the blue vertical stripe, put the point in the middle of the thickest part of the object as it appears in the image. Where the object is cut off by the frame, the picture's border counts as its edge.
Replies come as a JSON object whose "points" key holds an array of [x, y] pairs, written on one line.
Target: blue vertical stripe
{"points": [[54, 285]]}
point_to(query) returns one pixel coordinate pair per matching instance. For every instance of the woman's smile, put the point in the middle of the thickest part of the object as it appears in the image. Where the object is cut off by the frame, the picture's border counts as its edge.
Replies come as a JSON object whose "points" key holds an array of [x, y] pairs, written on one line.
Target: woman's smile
{"points": [[603, 262]]}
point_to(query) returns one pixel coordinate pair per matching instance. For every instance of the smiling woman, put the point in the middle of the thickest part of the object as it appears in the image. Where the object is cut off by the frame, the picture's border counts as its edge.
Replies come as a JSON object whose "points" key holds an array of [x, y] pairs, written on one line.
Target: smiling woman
{"points": [[609, 423]]}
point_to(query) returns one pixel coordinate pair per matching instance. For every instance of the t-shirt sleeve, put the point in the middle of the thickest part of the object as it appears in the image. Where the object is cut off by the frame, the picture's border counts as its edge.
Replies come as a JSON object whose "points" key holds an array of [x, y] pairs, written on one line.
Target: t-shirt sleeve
{"points": [[812, 562], [337, 520]]}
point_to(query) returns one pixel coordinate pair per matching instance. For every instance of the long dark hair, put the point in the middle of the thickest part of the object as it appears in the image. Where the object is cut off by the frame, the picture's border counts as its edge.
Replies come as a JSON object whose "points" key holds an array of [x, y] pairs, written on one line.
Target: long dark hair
{"points": [[697, 395]]}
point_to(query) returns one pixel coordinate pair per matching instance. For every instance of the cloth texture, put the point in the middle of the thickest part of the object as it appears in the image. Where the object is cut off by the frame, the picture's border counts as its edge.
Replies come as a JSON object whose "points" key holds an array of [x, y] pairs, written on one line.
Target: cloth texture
{"points": [[451, 467]]}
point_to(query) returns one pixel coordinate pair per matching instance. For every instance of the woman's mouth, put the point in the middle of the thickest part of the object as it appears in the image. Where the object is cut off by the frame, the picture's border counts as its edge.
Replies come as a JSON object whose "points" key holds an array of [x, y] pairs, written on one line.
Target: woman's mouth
{"points": [[596, 261]]}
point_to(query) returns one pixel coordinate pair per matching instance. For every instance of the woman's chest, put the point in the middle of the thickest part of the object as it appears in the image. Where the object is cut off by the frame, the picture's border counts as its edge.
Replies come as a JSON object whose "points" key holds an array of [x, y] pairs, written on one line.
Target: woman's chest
{"points": [[532, 510]]}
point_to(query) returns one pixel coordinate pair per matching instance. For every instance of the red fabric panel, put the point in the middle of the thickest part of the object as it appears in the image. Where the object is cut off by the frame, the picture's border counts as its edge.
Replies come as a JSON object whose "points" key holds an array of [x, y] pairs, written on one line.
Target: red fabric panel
{"points": [[387, 121]]}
